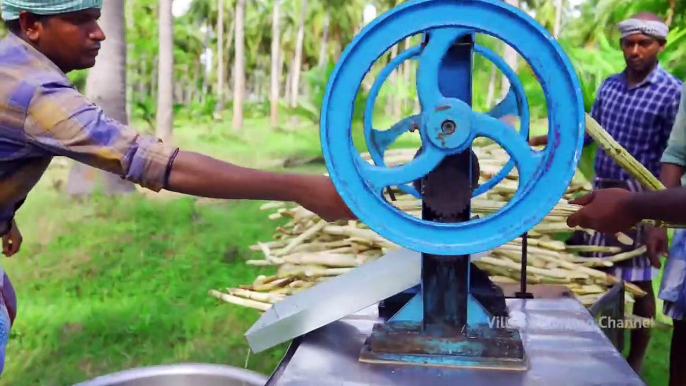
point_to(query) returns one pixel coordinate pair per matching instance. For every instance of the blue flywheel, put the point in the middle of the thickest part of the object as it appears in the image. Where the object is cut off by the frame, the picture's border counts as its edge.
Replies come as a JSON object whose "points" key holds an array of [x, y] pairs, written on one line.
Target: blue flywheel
{"points": [[543, 175]]}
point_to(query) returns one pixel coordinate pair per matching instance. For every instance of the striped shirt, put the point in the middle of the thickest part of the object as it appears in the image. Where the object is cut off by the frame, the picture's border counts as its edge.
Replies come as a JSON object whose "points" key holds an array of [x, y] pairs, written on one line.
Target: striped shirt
{"points": [[639, 118], [42, 115]]}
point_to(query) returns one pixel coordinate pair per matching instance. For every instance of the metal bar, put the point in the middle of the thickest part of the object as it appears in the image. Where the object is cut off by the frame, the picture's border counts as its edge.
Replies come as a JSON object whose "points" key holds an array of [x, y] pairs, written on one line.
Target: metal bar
{"points": [[445, 292], [525, 254], [445, 279]]}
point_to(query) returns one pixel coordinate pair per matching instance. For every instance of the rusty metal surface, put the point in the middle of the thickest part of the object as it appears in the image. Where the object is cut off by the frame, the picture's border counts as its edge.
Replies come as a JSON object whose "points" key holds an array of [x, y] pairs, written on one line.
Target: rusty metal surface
{"points": [[539, 291], [564, 345]]}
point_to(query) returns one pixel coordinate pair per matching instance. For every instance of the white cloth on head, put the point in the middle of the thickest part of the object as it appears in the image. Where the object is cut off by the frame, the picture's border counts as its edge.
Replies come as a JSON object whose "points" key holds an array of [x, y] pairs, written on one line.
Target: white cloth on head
{"points": [[647, 27]]}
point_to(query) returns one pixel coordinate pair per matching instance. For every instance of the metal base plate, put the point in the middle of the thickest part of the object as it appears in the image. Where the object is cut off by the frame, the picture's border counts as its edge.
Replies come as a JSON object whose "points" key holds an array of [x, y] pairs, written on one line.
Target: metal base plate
{"points": [[473, 347], [456, 362], [563, 343]]}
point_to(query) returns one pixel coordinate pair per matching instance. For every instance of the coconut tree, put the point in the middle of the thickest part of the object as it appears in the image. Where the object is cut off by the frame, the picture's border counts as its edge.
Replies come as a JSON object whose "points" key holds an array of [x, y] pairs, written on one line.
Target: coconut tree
{"points": [[239, 66], [165, 83]]}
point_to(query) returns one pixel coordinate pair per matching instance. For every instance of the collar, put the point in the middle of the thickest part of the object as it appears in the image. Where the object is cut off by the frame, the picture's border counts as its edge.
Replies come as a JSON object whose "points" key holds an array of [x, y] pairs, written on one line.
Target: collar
{"points": [[655, 76], [37, 59]]}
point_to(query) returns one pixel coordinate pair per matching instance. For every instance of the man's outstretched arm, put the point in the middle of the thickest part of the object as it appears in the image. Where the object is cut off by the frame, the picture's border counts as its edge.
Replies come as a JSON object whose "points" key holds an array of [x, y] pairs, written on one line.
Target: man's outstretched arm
{"points": [[199, 175], [616, 210], [61, 121]]}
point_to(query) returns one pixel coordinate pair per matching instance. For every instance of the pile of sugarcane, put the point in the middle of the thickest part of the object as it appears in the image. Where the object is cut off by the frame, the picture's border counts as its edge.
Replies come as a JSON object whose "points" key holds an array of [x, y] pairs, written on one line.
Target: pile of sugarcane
{"points": [[306, 250]]}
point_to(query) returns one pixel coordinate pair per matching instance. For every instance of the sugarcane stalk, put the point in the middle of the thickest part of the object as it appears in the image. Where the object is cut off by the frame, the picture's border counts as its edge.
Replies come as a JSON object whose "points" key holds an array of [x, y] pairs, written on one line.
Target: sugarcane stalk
{"points": [[240, 301], [621, 156], [593, 249], [301, 238], [253, 295]]}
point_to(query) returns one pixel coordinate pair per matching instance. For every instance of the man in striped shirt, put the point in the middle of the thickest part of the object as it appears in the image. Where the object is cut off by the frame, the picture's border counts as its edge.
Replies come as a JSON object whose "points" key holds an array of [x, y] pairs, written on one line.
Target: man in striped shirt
{"points": [[637, 107]]}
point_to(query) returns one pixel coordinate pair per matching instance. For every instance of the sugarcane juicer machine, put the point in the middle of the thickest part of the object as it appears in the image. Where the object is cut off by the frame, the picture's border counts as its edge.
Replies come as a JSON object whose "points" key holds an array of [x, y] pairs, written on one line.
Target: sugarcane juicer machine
{"points": [[425, 314]]}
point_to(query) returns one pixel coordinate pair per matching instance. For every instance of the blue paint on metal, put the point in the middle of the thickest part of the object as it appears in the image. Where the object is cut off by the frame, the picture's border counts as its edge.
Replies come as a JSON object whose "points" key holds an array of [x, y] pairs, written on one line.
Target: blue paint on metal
{"points": [[445, 279], [413, 311], [514, 103], [404, 342], [544, 175], [508, 106], [378, 141], [455, 115], [447, 361]]}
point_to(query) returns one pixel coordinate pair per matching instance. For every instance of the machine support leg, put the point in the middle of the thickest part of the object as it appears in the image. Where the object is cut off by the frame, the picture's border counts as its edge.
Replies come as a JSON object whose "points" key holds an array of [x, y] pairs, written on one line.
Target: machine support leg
{"points": [[445, 279], [445, 293]]}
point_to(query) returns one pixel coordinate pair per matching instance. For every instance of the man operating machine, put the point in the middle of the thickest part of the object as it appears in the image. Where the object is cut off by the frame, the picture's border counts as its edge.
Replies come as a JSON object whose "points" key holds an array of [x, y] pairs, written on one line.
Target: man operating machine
{"points": [[42, 115]]}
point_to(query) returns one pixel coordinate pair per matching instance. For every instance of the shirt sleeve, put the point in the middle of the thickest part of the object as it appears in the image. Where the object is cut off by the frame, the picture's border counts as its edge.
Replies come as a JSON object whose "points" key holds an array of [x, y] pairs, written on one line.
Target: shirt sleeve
{"points": [[675, 153], [63, 122]]}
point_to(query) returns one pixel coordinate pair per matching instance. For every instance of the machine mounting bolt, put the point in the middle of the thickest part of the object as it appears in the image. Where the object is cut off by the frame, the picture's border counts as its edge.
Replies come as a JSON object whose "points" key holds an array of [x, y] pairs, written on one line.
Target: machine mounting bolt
{"points": [[448, 127]]}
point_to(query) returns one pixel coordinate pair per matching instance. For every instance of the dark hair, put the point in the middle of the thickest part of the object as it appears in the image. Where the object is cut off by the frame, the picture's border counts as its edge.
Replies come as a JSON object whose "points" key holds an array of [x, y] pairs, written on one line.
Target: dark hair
{"points": [[13, 26]]}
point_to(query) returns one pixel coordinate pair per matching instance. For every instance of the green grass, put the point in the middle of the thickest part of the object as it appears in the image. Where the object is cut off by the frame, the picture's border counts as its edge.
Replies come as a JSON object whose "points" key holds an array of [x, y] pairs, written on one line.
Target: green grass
{"points": [[109, 284]]}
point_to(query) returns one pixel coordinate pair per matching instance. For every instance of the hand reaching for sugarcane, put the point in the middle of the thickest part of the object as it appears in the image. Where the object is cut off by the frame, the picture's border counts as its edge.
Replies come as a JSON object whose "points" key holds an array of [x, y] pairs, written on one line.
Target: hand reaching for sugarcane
{"points": [[605, 210], [11, 242]]}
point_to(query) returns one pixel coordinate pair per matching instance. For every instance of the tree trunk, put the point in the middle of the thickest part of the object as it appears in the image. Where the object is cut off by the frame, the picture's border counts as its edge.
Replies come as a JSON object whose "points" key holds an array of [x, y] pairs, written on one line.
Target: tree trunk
{"points": [[239, 66], [558, 18], [106, 87], [289, 80], [193, 86], [205, 82], [143, 80], [670, 13], [154, 77], [274, 76], [297, 61], [323, 50], [219, 107], [165, 105], [130, 25]]}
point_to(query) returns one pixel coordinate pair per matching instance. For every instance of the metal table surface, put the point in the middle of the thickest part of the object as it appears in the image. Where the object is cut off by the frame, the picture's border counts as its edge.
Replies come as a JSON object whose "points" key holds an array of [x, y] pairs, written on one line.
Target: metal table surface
{"points": [[564, 344]]}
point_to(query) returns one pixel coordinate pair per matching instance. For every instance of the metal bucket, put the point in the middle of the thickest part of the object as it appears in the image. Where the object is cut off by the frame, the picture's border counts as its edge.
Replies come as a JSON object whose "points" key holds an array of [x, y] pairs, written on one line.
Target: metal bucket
{"points": [[190, 374]]}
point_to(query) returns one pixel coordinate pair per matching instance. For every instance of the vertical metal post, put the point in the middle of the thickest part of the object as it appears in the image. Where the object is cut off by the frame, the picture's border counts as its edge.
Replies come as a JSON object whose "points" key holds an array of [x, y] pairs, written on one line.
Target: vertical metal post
{"points": [[445, 279]]}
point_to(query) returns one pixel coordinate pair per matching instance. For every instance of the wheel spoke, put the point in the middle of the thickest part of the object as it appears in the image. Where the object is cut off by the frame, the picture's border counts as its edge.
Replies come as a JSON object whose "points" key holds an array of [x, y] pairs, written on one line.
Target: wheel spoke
{"points": [[380, 177], [374, 92], [380, 140], [526, 159], [430, 62], [514, 103]]}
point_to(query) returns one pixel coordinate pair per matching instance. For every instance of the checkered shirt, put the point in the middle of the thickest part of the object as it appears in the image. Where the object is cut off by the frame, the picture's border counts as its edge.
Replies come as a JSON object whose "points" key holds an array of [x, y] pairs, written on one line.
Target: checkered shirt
{"points": [[639, 118]]}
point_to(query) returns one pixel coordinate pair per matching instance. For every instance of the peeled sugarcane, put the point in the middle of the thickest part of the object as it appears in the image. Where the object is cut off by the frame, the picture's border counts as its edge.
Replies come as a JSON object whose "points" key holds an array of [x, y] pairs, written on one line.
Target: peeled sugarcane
{"points": [[621, 156]]}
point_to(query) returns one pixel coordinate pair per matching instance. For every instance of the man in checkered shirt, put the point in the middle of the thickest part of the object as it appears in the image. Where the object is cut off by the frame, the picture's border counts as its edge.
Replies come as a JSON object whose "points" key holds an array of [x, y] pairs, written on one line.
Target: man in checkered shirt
{"points": [[637, 107]]}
